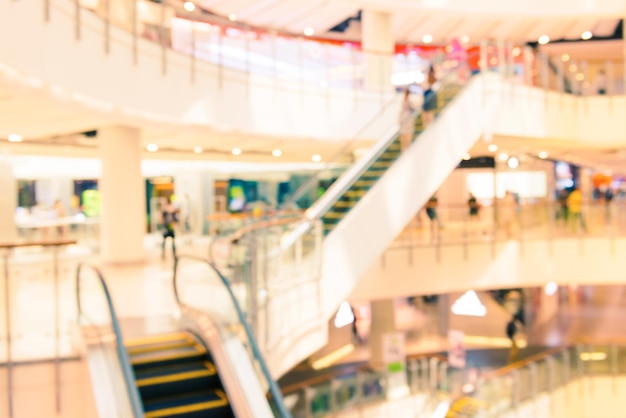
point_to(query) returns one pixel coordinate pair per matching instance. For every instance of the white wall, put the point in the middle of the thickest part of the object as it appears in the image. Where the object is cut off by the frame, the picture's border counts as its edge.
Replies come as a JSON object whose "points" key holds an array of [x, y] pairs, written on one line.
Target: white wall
{"points": [[50, 59], [428, 270]]}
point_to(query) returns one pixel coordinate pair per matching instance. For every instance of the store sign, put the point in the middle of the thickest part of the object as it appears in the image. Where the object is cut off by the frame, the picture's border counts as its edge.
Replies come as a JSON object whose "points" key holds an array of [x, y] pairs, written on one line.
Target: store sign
{"points": [[394, 355]]}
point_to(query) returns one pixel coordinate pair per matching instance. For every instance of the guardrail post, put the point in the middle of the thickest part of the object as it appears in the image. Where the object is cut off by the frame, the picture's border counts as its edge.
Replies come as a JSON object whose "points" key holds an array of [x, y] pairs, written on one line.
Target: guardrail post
{"points": [[7, 324]]}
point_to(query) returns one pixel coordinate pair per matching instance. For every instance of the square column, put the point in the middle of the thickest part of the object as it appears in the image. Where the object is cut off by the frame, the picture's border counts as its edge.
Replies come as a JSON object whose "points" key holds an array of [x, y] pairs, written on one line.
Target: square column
{"points": [[8, 203], [378, 49], [123, 215]]}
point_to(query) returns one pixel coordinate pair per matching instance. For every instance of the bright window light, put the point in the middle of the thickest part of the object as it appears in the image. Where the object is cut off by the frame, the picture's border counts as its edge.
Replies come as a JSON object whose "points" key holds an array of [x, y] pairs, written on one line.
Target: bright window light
{"points": [[586, 35], [189, 6], [427, 39], [277, 153], [309, 31], [344, 315], [469, 305], [15, 138], [236, 151], [543, 39], [152, 147]]}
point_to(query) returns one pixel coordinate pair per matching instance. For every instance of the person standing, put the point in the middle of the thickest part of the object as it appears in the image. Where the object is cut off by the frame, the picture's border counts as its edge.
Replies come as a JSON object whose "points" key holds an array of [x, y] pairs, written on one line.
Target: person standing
{"points": [[474, 208], [431, 211], [169, 220], [575, 203], [508, 213], [407, 121], [430, 99]]}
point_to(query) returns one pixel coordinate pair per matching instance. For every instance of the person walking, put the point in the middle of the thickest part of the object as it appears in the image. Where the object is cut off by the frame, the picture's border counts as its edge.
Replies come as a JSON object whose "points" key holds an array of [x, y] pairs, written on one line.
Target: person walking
{"points": [[169, 220], [575, 203], [407, 121]]}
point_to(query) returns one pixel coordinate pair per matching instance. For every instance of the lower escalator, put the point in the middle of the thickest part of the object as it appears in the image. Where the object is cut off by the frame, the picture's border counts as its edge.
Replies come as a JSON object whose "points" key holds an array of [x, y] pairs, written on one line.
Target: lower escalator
{"points": [[176, 377]]}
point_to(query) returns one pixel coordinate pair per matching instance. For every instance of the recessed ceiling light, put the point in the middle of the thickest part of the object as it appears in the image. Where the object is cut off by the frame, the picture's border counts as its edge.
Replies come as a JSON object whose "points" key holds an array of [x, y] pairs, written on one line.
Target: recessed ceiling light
{"points": [[236, 151], [465, 39], [580, 76], [492, 147], [573, 68], [232, 17], [503, 156], [189, 6], [513, 162], [309, 31], [198, 150], [565, 57], [586, 35], [517, 51], [543, 39], [427, 39], [277, 153], [316, 158], [467, 156], [15, 138], [543, 155], [152, 147]]}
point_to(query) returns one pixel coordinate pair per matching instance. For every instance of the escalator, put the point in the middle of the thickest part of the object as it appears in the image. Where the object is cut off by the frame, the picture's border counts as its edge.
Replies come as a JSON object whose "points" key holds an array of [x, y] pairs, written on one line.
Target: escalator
{"points": [[176, 377], [377, 169]]}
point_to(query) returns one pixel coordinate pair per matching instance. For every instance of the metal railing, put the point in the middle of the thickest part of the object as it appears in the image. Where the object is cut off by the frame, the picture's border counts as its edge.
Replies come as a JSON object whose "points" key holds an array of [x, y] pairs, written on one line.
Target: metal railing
{"points": [[111, 316], [242, 321]]}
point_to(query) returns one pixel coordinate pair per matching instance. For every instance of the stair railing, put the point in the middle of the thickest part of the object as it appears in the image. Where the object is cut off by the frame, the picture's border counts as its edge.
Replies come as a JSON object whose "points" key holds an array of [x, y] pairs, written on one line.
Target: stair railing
{"points": [[241, 316], [127, 371]]}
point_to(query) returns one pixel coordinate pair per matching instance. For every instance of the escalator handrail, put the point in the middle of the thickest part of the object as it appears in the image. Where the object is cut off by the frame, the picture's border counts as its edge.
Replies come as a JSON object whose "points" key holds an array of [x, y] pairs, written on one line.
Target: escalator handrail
{"points": [[127, 371], [273, 385]]}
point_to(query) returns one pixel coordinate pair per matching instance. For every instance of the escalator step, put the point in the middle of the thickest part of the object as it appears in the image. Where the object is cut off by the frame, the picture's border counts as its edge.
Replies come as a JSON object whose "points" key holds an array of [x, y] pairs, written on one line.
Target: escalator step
{"points": [[167, 357], [178, 379], [192, 405]]}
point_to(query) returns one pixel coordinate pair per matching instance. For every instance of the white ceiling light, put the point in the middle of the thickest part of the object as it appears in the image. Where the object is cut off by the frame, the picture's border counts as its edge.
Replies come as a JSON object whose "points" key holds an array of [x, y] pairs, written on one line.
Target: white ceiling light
{"points": [[198, 150], [427, 39], [316, 158], [573, 68], [586, 35], [467, 156], [517, 51], [551, 288], [465, 39], [236, 151], [543, 155], [543, 39], [503, 156], [232, 17], [309, 31], [15, 138], [152, 147], [277, 153], [189, 6], [492, 147], [513, 162], [469, 305], [580, 76], [565, 57]]}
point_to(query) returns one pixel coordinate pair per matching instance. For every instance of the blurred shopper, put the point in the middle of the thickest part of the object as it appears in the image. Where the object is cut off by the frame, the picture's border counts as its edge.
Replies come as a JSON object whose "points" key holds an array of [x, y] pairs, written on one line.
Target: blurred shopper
{"points": [[407, 121], [169, 218], [431, 211], [59, 213], [474, 208], [563, 210], [508, 214], [575, 203], [608, 199], [430, 99], [355, 329], [601, 82]]}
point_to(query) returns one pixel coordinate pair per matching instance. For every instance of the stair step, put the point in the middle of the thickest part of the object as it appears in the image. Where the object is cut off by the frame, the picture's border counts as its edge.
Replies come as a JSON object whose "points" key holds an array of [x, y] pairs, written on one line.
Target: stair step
{"points": [[193, 405]]}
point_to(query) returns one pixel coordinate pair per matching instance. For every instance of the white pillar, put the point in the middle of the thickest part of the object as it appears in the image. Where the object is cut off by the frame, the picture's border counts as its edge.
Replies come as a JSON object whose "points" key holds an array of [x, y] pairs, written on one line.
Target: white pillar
{"points": [[8, 203], [378, 49], [123, 216], [383, 321], [196, 190]]}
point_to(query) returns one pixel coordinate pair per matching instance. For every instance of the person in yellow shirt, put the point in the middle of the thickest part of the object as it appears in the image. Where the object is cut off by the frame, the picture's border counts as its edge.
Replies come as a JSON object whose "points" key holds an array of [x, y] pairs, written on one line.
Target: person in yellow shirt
{"points": [[574, 204]]}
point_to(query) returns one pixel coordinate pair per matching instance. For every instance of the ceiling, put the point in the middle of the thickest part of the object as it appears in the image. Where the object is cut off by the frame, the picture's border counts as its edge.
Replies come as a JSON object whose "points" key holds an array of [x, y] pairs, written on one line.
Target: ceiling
{"points": [[413, 20]]}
